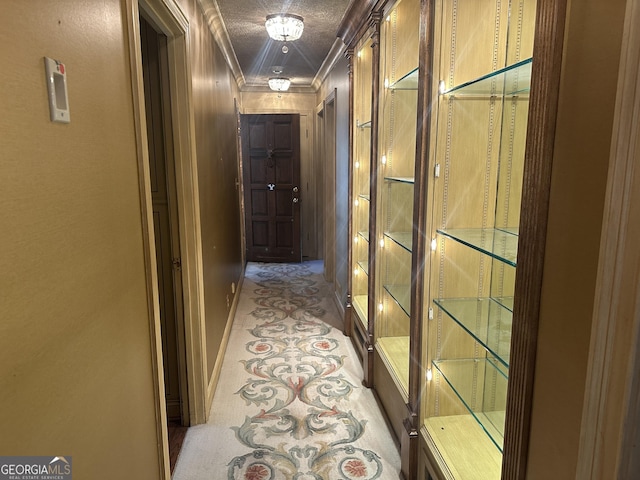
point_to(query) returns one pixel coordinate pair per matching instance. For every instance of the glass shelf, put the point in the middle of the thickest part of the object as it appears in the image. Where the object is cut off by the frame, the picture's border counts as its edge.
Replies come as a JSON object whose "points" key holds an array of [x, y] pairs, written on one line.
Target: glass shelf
{"points": [[512, 80], [364, 125], [512, 230], [394, 351], [506, 302], [498, 244], [407, 180], [365, 197], [408, 82], [458, 373], [364, 235], [361, 306], [404, 239], [402, 295], [482, 460], [486, 320], [364, 266]]}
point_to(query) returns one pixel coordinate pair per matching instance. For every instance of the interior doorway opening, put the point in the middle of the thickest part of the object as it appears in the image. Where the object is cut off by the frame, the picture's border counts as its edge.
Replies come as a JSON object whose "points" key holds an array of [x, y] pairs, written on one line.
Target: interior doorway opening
{"points": [[166, 234], [326, 150]]}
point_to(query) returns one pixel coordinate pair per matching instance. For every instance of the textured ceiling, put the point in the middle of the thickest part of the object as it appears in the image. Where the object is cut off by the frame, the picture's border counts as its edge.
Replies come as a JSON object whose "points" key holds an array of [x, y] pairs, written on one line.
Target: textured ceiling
{"points": [[257, 54]]}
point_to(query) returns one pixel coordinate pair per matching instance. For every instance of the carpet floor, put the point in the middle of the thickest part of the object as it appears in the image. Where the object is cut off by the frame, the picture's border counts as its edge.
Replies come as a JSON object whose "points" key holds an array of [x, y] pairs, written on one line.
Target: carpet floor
{"points": [[289, 403]]}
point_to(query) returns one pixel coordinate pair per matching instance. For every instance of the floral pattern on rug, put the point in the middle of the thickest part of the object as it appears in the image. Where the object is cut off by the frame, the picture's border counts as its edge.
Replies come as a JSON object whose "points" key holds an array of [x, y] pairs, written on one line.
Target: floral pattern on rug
{"points": [[300, 428]]}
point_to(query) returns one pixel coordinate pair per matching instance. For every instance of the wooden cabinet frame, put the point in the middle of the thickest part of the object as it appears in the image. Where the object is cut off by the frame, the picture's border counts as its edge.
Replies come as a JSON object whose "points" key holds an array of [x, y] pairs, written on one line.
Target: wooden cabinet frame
{"points": [[547, 54], [548, 44], [362, 21]]}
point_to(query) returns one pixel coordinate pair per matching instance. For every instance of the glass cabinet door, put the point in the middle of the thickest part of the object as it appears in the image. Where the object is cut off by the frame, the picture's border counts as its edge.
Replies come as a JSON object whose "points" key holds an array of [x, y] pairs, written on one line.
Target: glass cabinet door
{"points": [[361, 192], [396, 165], [482, 69]]}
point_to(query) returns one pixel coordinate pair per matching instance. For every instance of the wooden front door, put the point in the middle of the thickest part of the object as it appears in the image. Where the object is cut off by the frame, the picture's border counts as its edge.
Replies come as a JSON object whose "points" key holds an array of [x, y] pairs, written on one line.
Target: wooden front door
{"points": [[271, 171]]}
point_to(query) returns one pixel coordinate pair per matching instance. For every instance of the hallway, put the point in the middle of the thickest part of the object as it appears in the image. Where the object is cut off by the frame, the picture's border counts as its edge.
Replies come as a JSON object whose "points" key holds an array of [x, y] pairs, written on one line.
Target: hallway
{"points": [[290, 399]]}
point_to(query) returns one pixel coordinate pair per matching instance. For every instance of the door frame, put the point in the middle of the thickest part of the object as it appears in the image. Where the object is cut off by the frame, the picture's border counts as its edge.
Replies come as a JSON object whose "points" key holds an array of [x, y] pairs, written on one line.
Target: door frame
{"points": [[610, 432], [319, 148], [330, 138], [326, 118], [310, 184], [270, 120], [169, 17], [174, 229]]}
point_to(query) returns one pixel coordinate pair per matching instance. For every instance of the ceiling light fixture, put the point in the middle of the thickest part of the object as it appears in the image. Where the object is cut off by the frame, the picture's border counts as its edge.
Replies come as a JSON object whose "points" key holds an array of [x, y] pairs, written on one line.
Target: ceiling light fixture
{"points": [[279, 84], [285, 27]]}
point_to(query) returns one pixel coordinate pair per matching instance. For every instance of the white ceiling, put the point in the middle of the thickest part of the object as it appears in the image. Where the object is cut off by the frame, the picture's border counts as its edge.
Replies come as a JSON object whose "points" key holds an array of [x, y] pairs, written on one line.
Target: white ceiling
{"points": [[258, 55]]}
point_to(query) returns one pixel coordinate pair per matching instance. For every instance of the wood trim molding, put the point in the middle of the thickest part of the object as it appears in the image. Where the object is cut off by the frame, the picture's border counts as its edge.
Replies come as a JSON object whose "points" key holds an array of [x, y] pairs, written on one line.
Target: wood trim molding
{"points": [[329, 148], [340, 307], [354, 20], [153, 306], [543, 107], [420, 222], [348, 317], [334, 55], [409, 444], [610, 433], [373, 194], [173, 22], [176, 27], [215, 375]]}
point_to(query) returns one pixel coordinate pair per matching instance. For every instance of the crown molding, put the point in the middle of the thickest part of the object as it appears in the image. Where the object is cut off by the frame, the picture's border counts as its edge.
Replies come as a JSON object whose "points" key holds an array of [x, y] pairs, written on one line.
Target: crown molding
{"points": [[212, 14], [336, 53], [265, 89]]}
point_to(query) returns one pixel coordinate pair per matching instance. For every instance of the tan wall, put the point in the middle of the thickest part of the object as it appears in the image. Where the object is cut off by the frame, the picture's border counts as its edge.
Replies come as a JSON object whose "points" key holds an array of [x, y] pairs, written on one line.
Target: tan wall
{"points": [[273, 102], [75, 358], [214, 90], [583, 136], [75, 339]]}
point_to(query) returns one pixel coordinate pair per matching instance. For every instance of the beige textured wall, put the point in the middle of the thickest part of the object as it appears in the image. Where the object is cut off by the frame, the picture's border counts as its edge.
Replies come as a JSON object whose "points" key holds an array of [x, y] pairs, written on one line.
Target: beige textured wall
{"points": [[272, 102], [581, 157], [214, 90], [75, 359]]}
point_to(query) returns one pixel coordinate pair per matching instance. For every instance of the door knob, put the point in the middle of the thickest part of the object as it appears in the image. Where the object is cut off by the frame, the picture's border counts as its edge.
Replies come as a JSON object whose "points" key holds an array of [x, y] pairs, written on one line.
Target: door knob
{"points": [[295, 189], [295, 200]]}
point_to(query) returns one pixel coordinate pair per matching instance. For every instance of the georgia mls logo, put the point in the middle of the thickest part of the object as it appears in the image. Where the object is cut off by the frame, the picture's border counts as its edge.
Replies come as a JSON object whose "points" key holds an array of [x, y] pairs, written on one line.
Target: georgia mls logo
{"points": [[59, 465], [35, 468]]}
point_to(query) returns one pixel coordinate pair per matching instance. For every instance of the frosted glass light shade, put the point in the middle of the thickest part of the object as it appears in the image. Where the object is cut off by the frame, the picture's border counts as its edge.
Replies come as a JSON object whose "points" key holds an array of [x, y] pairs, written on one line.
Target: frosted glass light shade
{"points": [[284, 26], [279, 84]]}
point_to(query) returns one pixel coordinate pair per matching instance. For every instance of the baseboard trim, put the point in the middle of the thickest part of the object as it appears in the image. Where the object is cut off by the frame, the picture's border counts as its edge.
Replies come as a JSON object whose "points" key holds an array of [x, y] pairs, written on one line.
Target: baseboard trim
{"points": [[215, 375], [339, 304]]}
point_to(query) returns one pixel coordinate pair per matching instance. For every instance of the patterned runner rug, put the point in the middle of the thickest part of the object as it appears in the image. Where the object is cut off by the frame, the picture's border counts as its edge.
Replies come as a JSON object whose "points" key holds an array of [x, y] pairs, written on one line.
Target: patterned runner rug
{"points": [[289, 404]]}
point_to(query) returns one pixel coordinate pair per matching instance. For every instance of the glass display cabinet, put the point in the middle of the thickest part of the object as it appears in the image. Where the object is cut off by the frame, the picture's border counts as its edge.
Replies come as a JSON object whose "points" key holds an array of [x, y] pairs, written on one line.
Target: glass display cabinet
{"points": [[396, 154], [361, 273], [482, 72]]}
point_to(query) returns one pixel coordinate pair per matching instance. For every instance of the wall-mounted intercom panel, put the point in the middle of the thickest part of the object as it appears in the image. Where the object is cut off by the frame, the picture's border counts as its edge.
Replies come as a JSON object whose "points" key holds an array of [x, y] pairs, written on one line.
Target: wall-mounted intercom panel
{"points": [[57, 88]]}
